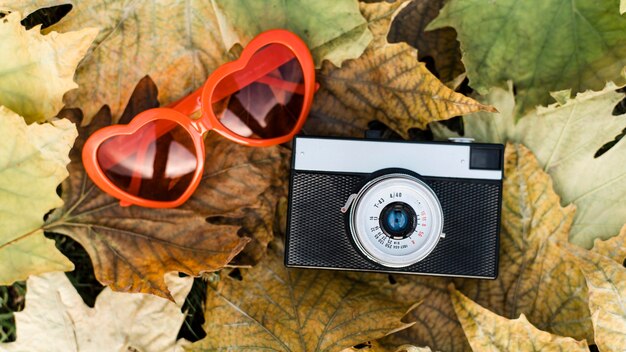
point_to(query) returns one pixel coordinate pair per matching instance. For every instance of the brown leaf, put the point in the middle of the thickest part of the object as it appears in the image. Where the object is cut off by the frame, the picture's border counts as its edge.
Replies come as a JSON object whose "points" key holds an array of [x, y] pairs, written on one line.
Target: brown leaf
{"points": [[436, 325], [487, 331], [386, 83], [440, 45], [133, 247], [282, 309]]}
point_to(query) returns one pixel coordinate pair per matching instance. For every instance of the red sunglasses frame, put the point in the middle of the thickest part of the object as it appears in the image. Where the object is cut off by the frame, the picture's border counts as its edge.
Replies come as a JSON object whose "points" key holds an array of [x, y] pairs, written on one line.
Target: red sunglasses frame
{"points": [[202, 100]]}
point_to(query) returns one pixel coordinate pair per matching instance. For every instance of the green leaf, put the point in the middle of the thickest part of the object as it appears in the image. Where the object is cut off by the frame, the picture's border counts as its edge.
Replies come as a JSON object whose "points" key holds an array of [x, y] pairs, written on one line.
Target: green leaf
{"points": [[32, 164], [542, 46], [36, 70], [334, 30], [565, 137], [488, 331], [279, 309]]}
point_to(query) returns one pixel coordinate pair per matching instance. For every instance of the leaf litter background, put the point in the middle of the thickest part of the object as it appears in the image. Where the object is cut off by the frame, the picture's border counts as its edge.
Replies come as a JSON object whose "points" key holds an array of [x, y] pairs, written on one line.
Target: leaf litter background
{"points": [[563, 176]]}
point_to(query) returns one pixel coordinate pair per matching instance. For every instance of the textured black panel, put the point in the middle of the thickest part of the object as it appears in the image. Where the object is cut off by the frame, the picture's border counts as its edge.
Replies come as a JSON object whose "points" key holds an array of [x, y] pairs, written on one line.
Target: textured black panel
{"points": [[317, 235]]}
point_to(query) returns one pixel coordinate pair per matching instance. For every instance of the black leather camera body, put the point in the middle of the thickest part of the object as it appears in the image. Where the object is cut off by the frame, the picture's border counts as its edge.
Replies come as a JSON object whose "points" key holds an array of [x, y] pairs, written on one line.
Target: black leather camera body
{"points": [[428, 208]]}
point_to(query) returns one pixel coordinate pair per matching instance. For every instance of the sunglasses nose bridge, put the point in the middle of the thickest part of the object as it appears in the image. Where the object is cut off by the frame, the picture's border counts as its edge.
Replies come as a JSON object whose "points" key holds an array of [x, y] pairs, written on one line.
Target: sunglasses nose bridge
{"points": [[202, 125]]}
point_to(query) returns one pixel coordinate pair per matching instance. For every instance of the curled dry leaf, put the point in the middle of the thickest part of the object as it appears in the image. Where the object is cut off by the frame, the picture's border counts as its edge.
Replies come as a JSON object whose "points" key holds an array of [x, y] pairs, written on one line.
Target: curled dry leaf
{"points": [[56, 318], [282, 309], [32, 164], [541, 46], [334, 30], [440, 45], [133, 247], [486, 331], [38, 69], [386, 83]]}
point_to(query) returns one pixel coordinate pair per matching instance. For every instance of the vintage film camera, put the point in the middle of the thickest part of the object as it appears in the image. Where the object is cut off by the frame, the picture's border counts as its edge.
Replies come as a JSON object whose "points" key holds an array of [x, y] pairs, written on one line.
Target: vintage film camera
{"points": [[394, 206]]}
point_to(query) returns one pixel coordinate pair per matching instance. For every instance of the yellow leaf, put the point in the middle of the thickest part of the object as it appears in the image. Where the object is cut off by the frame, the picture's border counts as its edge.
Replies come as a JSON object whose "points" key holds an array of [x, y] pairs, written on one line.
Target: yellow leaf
{"points": [[386, 83], [33, 161], [606, 281], [487, 331], [118, 322], [534, 279], [37, 69], [282, 309], [614, 247]]}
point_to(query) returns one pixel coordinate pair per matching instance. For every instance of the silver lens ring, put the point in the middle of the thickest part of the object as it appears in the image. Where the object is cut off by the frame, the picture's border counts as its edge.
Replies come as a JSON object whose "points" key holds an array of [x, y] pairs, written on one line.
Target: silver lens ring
{"points": [[366, 222]]}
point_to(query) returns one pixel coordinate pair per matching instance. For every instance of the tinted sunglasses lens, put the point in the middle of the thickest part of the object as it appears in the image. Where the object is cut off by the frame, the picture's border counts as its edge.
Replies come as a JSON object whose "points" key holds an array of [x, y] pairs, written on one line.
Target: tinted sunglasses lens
{"points": [[265, 99], [155, 163]]}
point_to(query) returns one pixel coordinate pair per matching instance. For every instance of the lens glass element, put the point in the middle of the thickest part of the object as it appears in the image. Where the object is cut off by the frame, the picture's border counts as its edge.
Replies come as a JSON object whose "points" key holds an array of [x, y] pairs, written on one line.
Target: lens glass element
{"points": [[398, 220], [265, 99], [155, 163]]}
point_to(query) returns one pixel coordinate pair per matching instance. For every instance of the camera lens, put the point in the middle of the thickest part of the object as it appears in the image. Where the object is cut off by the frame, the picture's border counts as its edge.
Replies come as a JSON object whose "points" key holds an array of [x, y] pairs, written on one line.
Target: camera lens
{"points": [[398, 220]]}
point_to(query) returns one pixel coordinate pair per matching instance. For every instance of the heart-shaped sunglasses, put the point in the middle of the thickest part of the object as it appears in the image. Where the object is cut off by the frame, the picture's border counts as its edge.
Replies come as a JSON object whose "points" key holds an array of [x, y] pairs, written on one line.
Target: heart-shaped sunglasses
{"points": [[157, 160]]}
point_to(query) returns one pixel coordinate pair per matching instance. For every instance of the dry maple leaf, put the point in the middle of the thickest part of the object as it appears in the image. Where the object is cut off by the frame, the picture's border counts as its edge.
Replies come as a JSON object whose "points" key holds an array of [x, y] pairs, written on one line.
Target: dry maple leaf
{"points": [[133, 247], [282, 309], [37, 69], [56, 319], [33, 161], [486, 331], [606, 280], [386, 83], [440, 45]]}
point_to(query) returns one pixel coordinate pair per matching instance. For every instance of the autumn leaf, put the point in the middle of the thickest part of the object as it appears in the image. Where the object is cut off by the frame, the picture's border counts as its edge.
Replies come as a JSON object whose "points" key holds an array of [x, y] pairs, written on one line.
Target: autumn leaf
{"points": [[334, 30], [541, 46], [133, 247], [487, 331], [565, 137], [436, 325], [440, 45], [534, 279], [56, 318], [376, 347], [386, 83], [32, 164], [36, 70], [614, 247], [282, 309], [606, 280]]}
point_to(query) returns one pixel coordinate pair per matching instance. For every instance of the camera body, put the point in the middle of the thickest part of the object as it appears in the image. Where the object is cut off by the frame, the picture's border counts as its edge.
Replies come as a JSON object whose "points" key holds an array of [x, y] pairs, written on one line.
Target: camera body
{"points": [[429, 208]]}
